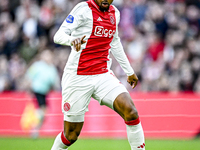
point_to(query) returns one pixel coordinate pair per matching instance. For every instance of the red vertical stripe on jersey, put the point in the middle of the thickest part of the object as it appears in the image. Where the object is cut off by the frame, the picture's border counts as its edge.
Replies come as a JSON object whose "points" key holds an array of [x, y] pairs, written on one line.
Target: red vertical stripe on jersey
{"points": [[93, 59]]}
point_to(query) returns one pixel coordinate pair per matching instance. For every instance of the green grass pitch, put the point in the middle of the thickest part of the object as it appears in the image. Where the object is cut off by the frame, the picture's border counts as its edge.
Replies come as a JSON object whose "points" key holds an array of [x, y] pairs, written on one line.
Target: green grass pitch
{"points": [[97, 144]]}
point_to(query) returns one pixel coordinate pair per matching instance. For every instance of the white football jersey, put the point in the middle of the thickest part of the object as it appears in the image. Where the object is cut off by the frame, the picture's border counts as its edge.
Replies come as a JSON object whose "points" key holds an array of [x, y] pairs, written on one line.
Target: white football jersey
{"points": [[101, 30]]}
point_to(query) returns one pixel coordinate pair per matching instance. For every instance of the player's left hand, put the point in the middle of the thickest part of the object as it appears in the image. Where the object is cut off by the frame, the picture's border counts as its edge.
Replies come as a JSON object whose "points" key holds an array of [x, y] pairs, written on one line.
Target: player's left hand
{"points": [[77, 43], [132, 80]]}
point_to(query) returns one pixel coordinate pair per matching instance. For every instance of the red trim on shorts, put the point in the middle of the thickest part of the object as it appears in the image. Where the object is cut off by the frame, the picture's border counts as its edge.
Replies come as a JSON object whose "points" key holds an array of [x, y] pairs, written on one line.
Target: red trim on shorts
{"points": [[133, 122], [64, 140]]}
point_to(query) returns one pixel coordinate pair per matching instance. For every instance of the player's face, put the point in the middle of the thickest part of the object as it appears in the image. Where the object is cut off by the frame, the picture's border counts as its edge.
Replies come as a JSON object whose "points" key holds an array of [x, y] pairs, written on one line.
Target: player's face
{"points": [[103, 4]]}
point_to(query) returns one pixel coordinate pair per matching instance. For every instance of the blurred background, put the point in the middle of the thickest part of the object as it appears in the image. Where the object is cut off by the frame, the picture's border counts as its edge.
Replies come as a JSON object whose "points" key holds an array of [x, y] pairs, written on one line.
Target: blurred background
{"points": [[161, 39]]}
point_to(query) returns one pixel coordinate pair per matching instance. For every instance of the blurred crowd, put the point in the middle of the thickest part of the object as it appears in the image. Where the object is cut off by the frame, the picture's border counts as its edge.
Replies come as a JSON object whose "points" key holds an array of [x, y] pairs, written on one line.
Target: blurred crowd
{"points": [[160, 37]]}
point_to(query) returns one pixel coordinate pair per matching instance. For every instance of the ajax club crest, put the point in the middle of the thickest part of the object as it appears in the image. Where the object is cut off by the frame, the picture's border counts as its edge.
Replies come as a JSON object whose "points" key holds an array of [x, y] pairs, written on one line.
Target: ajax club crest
{"points": [[112, 19]]}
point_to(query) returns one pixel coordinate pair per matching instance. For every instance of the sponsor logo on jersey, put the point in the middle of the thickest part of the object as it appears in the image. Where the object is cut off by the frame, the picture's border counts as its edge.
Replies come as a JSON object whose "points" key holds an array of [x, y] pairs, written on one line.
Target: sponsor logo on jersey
{"points": [[70, 19], [99, 19], [101, 31]]}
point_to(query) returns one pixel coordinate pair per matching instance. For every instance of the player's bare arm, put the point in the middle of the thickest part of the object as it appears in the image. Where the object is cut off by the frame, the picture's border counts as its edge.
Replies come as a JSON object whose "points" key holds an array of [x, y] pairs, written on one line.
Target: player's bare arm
{"points": [[132, 80], [77, 43]]}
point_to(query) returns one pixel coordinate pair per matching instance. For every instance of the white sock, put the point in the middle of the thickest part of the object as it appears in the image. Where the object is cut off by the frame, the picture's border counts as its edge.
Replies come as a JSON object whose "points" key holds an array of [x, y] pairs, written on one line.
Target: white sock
{"points": [[58, 144], [136, 137]]}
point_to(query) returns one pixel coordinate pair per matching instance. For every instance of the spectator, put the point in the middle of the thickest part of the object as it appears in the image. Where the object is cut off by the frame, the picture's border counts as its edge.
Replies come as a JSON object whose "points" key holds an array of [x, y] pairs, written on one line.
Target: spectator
{"points": [[168, 37]]}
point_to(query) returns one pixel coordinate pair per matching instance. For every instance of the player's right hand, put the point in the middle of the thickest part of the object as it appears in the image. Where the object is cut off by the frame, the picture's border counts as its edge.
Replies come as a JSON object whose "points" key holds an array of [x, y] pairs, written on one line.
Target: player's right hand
{"points": [[77, 43]]}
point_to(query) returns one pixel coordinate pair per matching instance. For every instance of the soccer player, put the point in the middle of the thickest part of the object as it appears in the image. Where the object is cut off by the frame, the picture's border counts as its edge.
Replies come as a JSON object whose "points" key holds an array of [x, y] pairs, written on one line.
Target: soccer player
{"points": [[42, 76], [91, 29]]}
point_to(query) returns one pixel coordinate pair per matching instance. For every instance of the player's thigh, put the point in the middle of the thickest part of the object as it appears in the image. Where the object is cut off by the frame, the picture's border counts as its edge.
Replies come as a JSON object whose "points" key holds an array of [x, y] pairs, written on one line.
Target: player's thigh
{"points": [[107, 89], [41, 99], [124, 106], [76, 95], [110, 97]]}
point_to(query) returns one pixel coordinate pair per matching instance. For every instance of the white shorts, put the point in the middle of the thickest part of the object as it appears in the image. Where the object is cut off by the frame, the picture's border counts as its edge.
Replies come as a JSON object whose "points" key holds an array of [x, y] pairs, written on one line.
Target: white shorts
{"points": [[77, 91]]}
